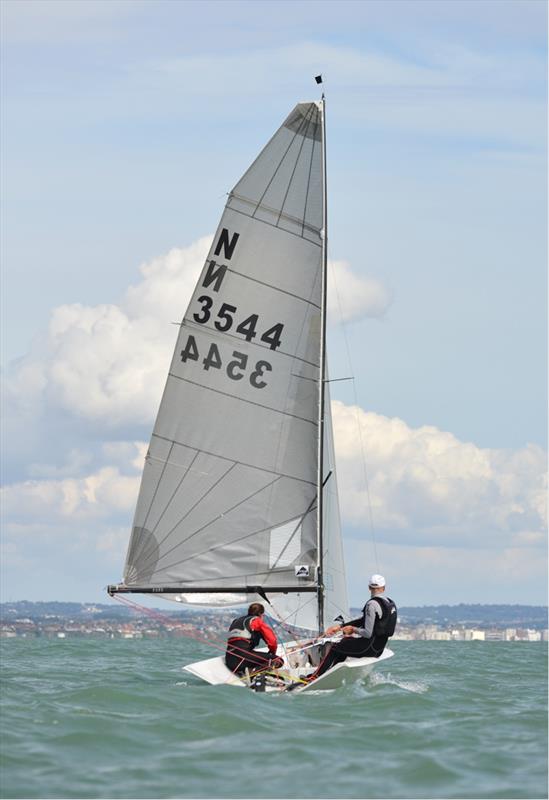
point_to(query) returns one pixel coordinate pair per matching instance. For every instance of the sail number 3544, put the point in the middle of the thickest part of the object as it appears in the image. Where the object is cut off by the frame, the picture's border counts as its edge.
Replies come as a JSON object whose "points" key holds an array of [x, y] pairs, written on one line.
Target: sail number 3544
{"points": [[236, 368], [224, 320]]}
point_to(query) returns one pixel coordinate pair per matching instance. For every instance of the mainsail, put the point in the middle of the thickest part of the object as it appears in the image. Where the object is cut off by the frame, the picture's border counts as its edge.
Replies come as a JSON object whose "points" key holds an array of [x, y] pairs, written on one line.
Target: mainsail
{"points": [[229, 498]]}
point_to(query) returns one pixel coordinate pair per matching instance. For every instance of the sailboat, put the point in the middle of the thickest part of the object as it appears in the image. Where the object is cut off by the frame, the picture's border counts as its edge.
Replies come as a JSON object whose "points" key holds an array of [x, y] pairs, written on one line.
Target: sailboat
{"points": [[238, 500]]}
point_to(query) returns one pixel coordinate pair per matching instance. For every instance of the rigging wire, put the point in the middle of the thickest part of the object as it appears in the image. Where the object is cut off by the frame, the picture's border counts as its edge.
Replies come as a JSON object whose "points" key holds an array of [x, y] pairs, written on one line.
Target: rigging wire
{"points": [[281, 621], [356, 407]]}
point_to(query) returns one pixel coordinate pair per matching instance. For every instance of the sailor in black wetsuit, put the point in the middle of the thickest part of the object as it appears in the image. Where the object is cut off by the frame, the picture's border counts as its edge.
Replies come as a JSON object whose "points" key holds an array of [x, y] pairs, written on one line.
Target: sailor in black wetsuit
{"points": [[367, 635]]}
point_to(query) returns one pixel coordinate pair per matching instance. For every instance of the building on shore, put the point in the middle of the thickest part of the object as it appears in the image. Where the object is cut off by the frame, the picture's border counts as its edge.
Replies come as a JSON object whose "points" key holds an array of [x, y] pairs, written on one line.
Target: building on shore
{"points": [[209, 626]]}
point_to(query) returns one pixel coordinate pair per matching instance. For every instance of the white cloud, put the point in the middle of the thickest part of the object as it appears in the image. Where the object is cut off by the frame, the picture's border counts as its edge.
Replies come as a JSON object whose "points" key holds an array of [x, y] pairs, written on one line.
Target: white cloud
{"points": [[108, 363], [352, 297], [100, 494], [74, 464], [427, 487], [61, 560], [168, 282], [126, 454], [459, 515]]}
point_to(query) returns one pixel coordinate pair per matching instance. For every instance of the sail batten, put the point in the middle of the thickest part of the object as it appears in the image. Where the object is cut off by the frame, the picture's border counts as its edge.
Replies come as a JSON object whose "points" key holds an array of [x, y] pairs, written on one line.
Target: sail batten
{"points": [[274, 288], [214, 334], [182, 542], [236, 208], [228, 505]]}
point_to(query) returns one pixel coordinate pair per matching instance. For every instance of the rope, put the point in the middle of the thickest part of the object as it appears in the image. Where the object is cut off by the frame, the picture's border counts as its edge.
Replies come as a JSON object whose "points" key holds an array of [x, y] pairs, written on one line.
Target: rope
{"points": [[215, 642], [282, 620], [167, 620], [263, 668]]}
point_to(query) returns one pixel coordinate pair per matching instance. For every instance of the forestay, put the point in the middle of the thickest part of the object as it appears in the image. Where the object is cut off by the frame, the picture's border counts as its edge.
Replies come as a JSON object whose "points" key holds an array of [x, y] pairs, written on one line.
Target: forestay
{"points": [[228, 497]]}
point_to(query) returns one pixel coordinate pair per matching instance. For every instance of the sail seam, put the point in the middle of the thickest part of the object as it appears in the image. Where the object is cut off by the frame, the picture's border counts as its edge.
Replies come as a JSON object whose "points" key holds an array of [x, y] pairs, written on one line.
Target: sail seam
{"points": [[303, 139], [157, 487], [241, 463], [298, 221], [243, 399], [297, 527], [233, 541], [299, 340], [222, 334], [275, 288], [211, 522], [263, 150], [229, 510], [308, 187], [277, 227], [290, 121], [188, 469], [297, 132], [171, 463], [200, 499], [147, 555]]}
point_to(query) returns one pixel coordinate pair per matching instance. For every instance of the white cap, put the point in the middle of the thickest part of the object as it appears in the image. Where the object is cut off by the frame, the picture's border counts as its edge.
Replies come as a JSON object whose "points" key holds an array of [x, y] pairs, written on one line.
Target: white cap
{"points": [[376, 581]]}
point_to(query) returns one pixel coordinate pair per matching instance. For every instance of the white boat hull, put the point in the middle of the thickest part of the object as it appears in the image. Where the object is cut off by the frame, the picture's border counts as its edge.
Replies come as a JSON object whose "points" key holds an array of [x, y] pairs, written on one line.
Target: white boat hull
{"points": [[214, 672], [349, 671]]}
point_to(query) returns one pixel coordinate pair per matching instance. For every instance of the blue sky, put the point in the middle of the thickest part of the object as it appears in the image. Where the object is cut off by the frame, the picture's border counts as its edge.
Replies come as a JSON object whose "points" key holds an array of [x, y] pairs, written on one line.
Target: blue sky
{"points": [[123, 126]]}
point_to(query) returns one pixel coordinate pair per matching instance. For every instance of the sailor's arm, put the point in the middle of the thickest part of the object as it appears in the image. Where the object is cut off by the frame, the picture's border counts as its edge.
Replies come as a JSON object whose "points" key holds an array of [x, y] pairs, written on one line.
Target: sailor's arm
{"points": [[266, 633], [366, 625], [336, 628]]}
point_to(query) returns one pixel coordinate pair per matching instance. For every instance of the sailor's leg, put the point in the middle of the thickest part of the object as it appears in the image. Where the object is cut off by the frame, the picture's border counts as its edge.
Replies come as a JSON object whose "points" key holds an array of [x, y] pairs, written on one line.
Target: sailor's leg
{"points": [[264, 660], [239, 660], [349, 647], [332, 657], [235, 662]]}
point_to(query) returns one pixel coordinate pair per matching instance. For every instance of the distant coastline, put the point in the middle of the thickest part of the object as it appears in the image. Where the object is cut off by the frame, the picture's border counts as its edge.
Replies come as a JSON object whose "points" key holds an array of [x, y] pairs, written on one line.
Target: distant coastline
{"points": [[463, 622]]}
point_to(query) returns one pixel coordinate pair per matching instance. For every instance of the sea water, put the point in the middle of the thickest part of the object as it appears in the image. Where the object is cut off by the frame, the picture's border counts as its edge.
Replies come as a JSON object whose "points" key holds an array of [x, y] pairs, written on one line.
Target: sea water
{"points": [[91, 718]]}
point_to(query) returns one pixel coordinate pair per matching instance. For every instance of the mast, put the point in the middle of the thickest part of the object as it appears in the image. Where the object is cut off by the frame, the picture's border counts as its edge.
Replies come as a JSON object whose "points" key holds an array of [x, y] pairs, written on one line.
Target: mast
{"points": [[322, 377]]}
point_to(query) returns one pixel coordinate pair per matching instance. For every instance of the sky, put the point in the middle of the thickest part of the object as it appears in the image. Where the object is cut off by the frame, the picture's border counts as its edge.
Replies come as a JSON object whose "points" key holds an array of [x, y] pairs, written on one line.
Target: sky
{"points": [[124, 124]]}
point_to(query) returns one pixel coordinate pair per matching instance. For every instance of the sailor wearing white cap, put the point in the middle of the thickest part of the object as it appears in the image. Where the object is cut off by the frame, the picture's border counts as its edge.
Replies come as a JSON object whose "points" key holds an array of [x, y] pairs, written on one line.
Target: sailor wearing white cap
{"points": [[367, 635]]}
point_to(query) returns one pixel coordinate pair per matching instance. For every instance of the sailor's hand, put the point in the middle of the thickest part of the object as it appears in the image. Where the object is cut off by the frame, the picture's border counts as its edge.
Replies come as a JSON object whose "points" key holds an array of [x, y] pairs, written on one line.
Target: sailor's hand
{"points": [[348, 630], [332, 629]]}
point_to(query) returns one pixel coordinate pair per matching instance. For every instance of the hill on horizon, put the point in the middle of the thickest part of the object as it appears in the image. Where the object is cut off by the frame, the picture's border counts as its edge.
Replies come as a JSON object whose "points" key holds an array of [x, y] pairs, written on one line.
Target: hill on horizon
{"points": [[497, 615]]}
